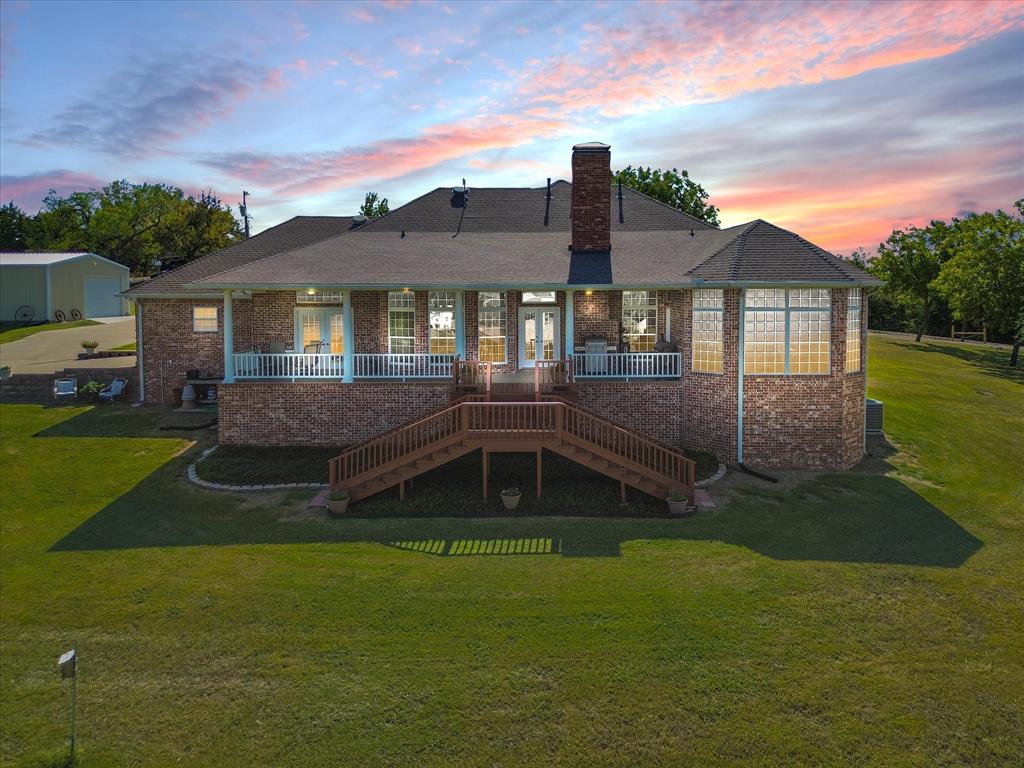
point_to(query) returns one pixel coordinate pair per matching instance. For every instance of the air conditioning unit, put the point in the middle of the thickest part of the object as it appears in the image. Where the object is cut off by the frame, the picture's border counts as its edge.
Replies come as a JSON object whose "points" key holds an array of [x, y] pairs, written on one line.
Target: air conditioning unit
{"points": [[873, 417]]}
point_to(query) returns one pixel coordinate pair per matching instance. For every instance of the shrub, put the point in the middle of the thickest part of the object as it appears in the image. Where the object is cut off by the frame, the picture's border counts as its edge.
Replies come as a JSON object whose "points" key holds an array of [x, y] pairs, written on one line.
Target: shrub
{"points": [[510, 492], [89, 346], [676, 495], [90, 390], [338, 496]]}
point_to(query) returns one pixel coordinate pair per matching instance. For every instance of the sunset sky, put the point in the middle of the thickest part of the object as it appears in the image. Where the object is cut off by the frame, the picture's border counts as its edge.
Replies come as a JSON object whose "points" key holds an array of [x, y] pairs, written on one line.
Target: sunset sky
{"points": [[840, 121]]}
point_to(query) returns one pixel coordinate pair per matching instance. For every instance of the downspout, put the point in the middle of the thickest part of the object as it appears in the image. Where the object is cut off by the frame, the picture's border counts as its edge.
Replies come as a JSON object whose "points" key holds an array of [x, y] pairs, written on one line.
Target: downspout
{"points": [[570, 324], [739, 386], [460, 324], [138, 351]]}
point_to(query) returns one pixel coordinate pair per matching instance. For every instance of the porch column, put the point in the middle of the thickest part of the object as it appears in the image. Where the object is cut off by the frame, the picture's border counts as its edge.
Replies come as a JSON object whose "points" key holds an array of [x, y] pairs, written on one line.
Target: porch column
{"points": [[229, 339], [460, 324], [349, 332], [570, 328]]}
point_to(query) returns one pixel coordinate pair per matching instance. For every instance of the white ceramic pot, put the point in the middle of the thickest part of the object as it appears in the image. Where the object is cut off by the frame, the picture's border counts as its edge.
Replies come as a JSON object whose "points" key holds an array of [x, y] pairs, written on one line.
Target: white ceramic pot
{"points": [[677, 507], [337, 507], [511, 502]]}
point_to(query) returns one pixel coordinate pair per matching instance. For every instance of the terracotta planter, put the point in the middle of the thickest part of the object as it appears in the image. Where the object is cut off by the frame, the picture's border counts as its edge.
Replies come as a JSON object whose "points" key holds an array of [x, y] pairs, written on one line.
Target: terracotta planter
{"points": [[336, 507], [511, 502], [678, 507]]}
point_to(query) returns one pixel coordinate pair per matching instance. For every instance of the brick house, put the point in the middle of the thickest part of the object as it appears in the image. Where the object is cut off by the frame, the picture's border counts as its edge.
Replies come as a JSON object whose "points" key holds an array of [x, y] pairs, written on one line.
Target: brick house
{"points": [[748, 342]]}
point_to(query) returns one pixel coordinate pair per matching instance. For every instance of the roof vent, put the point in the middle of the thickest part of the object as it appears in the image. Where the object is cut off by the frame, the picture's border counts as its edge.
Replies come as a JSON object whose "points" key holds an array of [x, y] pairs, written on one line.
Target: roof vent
{"points": [[460, 195], [358, 220]]}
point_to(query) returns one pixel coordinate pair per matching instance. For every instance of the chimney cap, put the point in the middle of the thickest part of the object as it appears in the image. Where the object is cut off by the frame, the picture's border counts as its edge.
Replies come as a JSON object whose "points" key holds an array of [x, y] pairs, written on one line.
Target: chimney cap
{"points": [[591, 146]]}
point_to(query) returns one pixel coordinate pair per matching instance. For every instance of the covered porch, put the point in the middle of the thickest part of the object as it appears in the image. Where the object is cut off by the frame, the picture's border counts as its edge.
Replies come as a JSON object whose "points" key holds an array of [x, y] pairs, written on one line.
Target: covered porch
{"points": [[484, 341]]}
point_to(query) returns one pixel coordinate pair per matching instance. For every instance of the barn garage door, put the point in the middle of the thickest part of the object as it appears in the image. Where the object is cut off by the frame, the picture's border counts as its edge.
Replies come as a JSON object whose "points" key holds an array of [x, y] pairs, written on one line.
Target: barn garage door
{"points": [[101, 299]]}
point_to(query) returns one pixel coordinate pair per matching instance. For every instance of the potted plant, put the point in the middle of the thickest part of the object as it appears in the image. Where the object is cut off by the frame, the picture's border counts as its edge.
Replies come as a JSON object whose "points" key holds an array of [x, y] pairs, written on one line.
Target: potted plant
{"points": [[5, 371], [90, 391], [337, 502], [510, 498], [90, 346], [677, 502]]}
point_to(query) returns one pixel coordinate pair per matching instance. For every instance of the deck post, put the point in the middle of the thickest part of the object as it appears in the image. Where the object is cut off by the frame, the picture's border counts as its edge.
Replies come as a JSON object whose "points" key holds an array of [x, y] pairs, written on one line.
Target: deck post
{"points": [[229, 339], [488, 380], [536, 380], [349, 333], [485, 471], [460, 324], [539, 450]]}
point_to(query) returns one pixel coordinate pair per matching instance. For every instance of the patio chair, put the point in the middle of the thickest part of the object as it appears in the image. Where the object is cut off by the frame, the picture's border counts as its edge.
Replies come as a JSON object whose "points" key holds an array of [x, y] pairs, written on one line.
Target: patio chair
{"points": [[65, 389], [115, 390], [314, 348]]}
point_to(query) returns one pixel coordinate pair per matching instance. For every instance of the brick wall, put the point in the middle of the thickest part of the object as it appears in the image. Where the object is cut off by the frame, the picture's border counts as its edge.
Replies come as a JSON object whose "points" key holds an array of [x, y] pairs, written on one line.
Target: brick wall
{"points": [[654, 408], [38, 387], [321, 413], [170, 347]]}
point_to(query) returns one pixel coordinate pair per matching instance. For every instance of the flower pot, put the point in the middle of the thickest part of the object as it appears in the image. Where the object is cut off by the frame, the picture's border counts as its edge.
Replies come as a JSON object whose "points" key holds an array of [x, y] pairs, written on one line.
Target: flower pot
{"points": [[511, 502], [337, 507], [5, 372], [677, 507]]}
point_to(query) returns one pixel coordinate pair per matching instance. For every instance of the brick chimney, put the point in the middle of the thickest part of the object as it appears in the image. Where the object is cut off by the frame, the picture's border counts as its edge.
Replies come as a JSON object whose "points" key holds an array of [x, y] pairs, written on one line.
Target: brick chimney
{"points": [[591, 197]]}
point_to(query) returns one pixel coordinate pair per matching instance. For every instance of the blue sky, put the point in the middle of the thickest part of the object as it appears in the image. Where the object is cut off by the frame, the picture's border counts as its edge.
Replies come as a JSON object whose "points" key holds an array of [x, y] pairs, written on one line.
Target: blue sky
{"points": [[838, 120]]}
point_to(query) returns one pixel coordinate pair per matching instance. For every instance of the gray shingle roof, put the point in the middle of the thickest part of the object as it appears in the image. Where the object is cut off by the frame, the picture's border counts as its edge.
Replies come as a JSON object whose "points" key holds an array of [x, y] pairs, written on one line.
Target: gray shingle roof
{"points": [[505, 209], [286, 236]]}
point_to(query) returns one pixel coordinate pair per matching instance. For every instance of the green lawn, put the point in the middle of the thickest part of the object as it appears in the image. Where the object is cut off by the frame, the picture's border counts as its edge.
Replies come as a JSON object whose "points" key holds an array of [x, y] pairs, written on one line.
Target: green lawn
{"points": [[868, 618], [15, 331], [129, 347]]}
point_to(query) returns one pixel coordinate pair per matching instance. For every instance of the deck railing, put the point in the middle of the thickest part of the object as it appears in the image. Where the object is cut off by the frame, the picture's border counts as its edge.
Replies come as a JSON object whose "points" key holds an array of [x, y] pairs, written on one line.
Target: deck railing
{"points": [[489, 421], [628, 365], [403, 366], [288, 365], [295, 365]]}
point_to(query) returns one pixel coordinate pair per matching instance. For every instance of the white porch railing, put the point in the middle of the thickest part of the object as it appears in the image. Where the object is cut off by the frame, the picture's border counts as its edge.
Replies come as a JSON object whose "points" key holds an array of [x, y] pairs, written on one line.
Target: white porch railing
{"points": [[403, 366], [288, 365], [293, 365], [628, 365]]}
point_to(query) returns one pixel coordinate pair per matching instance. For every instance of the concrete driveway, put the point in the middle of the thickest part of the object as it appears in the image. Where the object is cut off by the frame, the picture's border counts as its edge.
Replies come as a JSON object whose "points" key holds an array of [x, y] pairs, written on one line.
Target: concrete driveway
{"points": [[49, 351]]}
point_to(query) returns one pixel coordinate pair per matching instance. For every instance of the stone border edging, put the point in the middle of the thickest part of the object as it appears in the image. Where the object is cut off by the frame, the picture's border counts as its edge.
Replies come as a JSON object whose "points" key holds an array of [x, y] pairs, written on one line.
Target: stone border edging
{"points": [[195, 479], [713, 479]]}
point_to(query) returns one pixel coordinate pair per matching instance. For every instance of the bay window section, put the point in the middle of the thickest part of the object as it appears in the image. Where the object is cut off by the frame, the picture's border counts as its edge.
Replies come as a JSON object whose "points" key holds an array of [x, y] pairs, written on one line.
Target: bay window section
{"points": [[492, 325], [442, 322], [640, 319], [786, 332], [853, 328], [708, 308], [401, 322]]}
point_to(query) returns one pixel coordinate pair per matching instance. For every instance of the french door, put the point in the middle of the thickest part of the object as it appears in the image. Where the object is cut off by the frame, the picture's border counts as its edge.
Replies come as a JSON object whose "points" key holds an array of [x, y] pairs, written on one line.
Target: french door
{"points": [[320, 325], [538, 335]]}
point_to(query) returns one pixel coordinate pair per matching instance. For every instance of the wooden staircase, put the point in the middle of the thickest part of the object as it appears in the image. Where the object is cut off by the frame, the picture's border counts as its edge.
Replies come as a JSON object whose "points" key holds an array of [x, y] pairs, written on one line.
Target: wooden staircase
{"points": [[565, 428]]}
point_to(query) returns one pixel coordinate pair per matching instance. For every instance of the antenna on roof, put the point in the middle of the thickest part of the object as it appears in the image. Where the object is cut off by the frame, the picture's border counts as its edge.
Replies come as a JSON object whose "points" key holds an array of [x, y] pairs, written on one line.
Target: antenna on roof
{"points": [[620, 201], [465, 205], [244, 210], [547, 203]]}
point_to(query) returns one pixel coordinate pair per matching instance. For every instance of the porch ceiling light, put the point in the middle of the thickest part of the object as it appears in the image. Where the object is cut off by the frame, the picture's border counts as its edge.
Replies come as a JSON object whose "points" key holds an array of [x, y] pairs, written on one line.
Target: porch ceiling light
{"points": [[405, 290], [588, 292], [311, 291]]}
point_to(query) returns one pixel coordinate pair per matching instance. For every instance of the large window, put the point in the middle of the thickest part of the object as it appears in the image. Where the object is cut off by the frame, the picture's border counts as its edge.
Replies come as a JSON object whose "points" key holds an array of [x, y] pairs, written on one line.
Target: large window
{"points": [[442, 322], [493, 324], [401, 322], [853, 332], [707, 330], [204, 319], [640, 319], [786, 331]]}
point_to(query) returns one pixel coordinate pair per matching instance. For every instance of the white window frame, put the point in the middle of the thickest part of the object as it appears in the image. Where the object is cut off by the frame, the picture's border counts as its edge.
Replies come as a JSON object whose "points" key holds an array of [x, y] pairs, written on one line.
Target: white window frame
{"points": [[794, 302], [501, 310], [854, 317], [318, 296], [708, 306], [441, 303], [648, 306], [407, 307], [215, 318], [546, 298]]}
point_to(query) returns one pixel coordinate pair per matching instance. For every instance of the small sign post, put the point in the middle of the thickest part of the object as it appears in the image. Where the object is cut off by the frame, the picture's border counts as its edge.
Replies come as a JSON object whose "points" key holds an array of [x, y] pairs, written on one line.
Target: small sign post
{"points": [[67, 664]]}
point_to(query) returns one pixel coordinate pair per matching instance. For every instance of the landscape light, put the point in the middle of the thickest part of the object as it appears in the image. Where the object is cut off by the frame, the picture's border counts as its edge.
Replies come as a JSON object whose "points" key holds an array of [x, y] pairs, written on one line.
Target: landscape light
{"points": [[67, 665]]}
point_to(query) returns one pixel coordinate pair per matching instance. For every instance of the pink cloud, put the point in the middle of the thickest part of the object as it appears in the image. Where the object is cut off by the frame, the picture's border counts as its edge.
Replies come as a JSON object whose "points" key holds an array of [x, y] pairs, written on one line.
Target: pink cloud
{"points": [[29, 190], [311, 173], [693, 54], [376, 66], [362, 14]]}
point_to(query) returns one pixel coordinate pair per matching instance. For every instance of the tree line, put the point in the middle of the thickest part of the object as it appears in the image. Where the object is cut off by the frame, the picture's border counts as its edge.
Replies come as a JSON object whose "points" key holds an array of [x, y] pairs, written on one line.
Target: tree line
{"points": [[967, 271], [143, 226]]}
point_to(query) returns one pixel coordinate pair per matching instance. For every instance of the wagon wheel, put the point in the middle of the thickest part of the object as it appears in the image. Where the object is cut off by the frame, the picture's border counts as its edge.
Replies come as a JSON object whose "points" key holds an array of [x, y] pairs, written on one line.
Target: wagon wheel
{"points": [[59, 316], [76, 315], [24, 314]]}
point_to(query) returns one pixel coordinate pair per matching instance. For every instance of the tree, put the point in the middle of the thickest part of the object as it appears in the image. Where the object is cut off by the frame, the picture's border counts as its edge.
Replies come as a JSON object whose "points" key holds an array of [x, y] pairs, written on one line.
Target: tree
{"points": [[138, 225], [374, 207], [910, 261], [859, 258], [674, 188], [984, 279], [14, 225]]}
